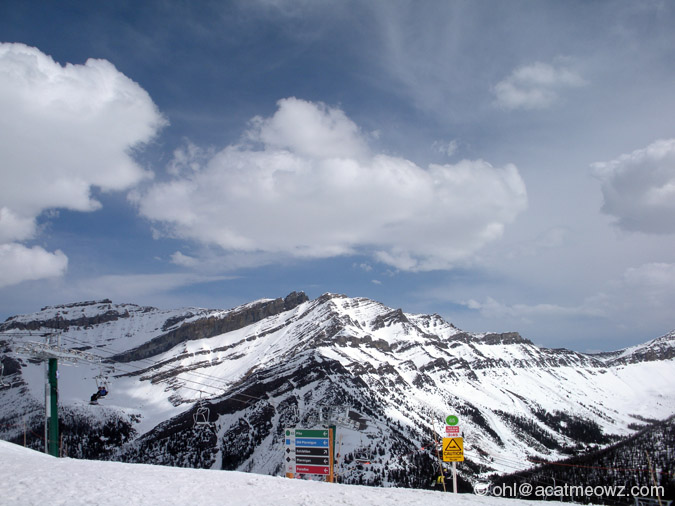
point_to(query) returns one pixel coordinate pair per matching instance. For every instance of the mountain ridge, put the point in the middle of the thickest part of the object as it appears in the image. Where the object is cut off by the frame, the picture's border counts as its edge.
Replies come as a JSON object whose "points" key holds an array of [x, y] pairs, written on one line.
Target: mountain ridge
{"points": [[281, 362]]}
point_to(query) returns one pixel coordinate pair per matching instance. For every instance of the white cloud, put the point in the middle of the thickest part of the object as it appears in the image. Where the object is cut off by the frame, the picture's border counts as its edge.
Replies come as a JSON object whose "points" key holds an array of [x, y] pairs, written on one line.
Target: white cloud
{"points": [[310, 188], [127, 287], [15, 228], [189, 158], [179, 258], [64, 130], [535, 86], [639, 188], [19, 263], [445, 147], [492, 308], [310, 130]]}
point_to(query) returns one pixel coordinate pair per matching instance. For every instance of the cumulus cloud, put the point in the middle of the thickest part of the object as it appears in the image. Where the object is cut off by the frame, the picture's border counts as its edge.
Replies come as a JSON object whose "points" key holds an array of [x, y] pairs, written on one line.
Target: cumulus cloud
{"points": [[19, 263], [310, 130], [535, 86], [305, 184], [639, 188], [64, 130]]}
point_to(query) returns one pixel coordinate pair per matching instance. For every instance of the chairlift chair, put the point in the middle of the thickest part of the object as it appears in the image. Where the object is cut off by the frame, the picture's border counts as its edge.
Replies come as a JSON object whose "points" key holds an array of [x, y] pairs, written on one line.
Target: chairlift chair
{"points": [[363, 455], [102, 388], [101, 381], [202, 414], [3, 383]]}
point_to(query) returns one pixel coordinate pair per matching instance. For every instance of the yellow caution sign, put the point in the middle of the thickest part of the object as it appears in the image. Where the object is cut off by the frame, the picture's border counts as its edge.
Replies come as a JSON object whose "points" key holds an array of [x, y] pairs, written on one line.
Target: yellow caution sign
{"points": [[453, 449]]}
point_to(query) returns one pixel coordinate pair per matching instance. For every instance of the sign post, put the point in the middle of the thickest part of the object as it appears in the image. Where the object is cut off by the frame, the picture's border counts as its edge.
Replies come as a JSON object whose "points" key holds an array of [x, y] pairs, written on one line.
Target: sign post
{"points": [[453, 451], [453, 446]]}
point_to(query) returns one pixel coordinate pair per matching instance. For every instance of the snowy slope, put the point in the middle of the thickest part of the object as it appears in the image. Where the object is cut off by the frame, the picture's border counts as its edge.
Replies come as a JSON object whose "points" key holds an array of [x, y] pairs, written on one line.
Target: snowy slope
{"points": [[31, 478], [276, 363]]}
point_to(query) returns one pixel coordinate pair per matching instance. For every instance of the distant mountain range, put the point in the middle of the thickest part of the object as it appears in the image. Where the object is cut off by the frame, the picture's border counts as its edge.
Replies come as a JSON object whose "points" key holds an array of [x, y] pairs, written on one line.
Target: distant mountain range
{"points": [[387, 378]]}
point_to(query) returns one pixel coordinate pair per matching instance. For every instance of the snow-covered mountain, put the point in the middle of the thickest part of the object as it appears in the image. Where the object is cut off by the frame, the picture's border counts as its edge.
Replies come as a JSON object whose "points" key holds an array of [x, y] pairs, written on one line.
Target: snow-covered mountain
{"points": [[388, 377]]}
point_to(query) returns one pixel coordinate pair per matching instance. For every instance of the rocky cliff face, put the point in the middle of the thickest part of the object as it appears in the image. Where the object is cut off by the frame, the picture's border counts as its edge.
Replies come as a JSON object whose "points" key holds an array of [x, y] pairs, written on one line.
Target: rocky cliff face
{"points": [[70, 315], [386, 377], [210, 326]]}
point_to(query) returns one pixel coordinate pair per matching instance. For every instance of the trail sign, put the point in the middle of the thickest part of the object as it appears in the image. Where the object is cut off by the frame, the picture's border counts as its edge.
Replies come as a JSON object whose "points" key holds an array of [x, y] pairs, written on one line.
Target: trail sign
{"points": [[308, 451], [451, 420], [320, 452], [453, 449], [452, 430], [311, 442], [320, 433]]}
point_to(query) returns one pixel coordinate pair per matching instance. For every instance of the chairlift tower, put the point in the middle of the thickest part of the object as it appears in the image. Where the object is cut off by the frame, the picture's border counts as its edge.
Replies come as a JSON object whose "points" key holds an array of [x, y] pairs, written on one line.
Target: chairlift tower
{"points": [[51, 353]]}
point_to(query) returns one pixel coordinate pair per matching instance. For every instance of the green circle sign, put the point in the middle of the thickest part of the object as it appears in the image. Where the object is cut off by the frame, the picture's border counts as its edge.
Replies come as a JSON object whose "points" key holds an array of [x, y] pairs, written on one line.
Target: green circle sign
{"points": [[452, 420]]}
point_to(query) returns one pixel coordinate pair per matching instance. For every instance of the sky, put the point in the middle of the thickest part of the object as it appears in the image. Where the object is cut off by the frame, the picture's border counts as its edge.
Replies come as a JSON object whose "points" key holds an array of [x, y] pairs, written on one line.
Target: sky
{"points": [[507, 165]]}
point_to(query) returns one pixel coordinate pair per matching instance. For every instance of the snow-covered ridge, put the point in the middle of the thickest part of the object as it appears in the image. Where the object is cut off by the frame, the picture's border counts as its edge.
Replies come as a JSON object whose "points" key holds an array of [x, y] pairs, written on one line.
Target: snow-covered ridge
{"points": [[661, 348]]}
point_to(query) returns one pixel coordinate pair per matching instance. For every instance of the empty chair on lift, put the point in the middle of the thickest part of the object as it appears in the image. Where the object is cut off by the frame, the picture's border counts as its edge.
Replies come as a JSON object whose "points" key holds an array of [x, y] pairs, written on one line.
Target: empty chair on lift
{"points": [[202, 414], [363, 455]]}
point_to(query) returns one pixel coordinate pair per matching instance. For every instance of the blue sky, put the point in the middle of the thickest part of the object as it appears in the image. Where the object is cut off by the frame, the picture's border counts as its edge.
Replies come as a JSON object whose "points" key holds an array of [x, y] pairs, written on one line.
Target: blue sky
{"points": [[508, 165]]}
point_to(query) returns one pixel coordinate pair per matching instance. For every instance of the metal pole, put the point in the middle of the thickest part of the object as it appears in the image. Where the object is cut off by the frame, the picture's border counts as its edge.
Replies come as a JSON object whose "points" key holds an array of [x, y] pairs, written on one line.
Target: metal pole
{"points": [[331, 453], [440, 462], [454, 477], [48, 406], [53, 418]]}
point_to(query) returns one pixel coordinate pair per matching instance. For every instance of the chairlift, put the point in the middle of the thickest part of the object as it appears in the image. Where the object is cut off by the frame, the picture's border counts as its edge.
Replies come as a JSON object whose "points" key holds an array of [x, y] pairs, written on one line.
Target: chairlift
{"points": [[102, 378], [102, 387], [202, 414], [3, 383], [363, 455]]}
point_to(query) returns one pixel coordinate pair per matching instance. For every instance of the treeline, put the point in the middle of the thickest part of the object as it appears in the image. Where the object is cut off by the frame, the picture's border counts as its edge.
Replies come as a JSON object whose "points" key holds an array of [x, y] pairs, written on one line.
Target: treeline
{"points": [[644, 460]]}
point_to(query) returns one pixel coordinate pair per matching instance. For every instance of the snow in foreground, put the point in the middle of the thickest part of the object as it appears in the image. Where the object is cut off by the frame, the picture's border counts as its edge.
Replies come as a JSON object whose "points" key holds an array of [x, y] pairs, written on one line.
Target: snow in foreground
{"points": [[28, 477]]}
